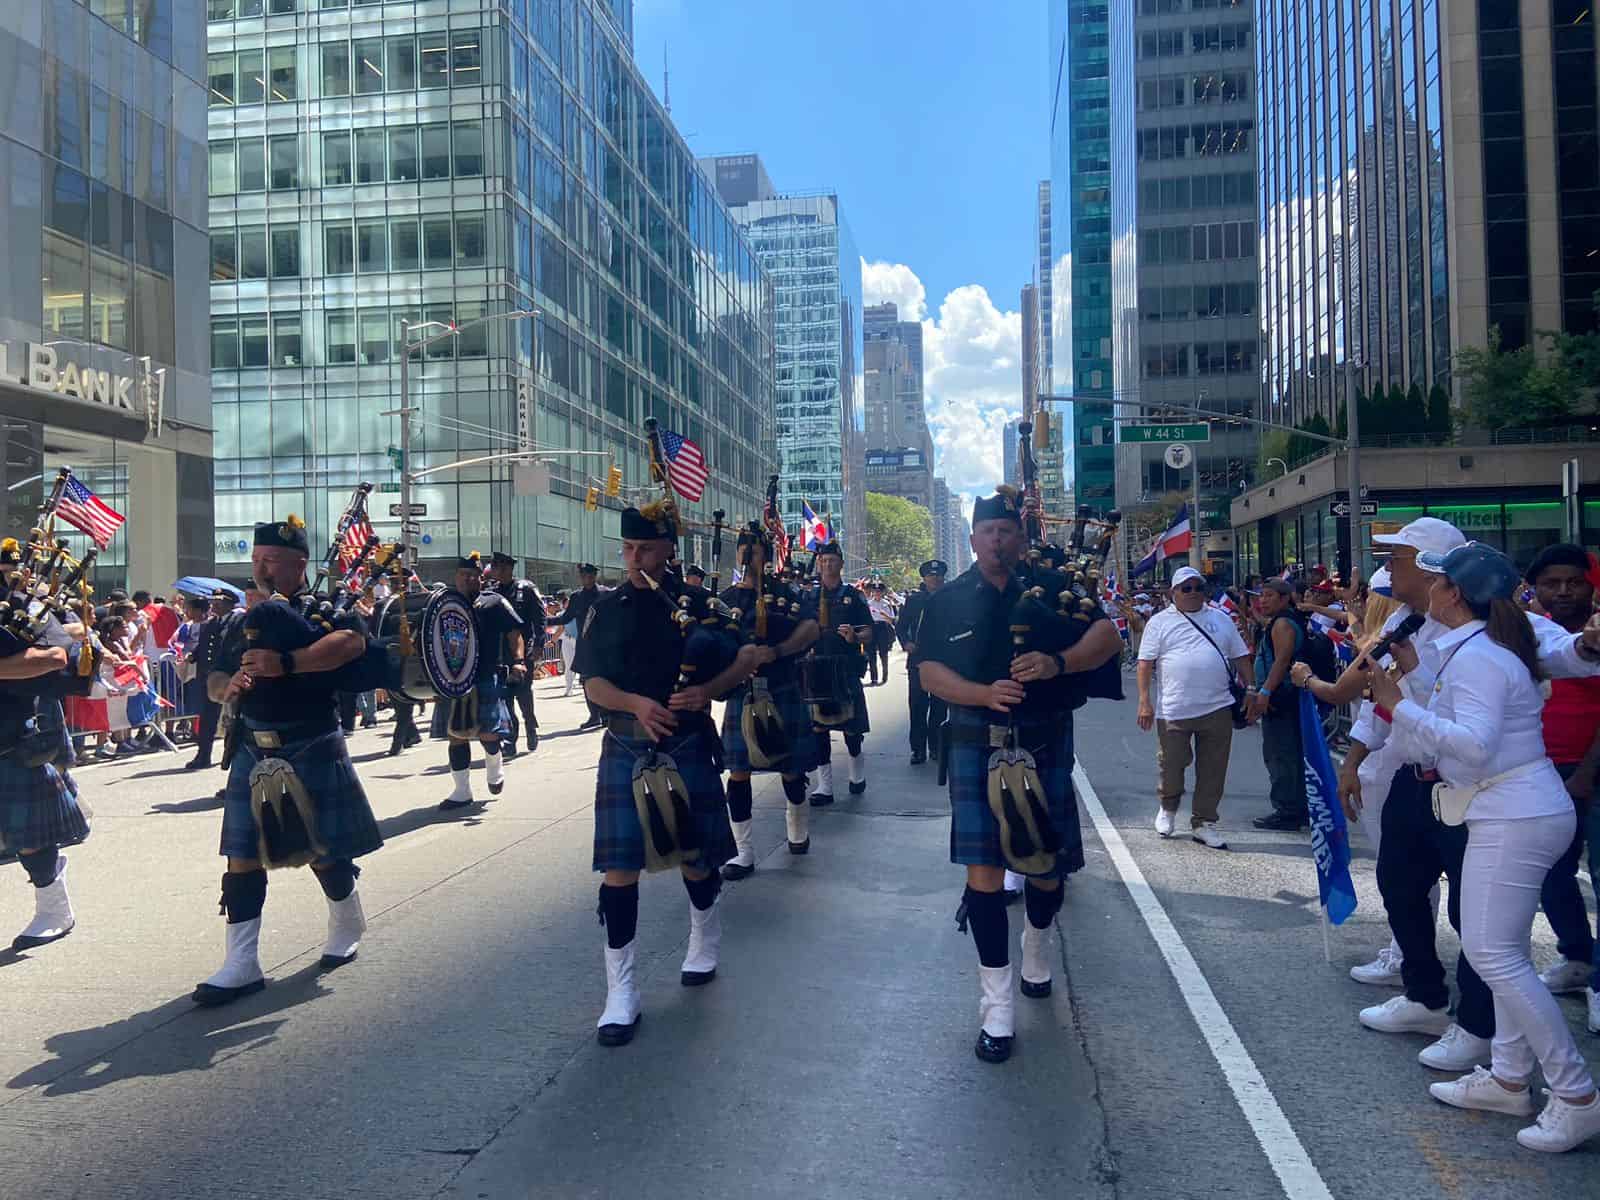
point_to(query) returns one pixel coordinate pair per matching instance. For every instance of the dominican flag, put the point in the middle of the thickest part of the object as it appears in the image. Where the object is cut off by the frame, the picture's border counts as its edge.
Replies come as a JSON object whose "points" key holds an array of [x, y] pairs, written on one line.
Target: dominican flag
{"points": [[82, 509], [686, 465], [1227, 605], [1330, 837], [1343, 645], [1177, 540], [814, 533]]}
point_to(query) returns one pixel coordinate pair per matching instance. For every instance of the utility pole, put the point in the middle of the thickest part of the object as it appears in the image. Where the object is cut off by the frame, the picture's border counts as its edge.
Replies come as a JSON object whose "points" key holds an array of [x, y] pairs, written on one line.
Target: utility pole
{"points": [[1358, 540], [1195, 524]]}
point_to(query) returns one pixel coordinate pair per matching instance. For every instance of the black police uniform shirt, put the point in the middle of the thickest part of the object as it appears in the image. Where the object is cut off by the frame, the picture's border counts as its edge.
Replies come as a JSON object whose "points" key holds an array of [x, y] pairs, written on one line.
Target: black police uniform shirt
{"points": [[909, 626], [629, 639], [846, 606], [578, 605], [529, 606], [496, 619], [310, 698], [781, 624]]}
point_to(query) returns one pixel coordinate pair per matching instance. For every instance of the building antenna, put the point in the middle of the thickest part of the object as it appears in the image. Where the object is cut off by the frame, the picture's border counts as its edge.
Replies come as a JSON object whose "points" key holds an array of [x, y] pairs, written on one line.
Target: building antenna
{"points": [[666, 79]]}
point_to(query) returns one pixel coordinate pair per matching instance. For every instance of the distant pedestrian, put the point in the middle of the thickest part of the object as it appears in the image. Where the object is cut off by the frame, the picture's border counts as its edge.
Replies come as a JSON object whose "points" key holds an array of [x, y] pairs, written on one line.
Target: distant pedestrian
{"points": [[1277, 706]]}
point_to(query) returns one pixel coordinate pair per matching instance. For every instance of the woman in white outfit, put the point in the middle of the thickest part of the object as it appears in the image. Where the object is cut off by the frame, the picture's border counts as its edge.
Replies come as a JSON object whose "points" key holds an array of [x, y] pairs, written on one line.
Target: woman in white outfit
{"points": [[1482, 732]]}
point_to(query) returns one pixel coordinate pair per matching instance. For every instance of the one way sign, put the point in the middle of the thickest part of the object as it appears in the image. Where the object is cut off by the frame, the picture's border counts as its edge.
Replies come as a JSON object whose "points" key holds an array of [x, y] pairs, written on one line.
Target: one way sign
{"points": [[1341, 508]]}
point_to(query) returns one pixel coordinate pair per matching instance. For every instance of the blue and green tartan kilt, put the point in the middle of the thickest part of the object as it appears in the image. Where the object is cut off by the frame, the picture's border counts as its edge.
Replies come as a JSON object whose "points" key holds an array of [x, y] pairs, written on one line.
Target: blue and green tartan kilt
{"points": [[38, 807], [345, 824], [493, 717], [796, 715], [618, 836], [856, 724], [974, 833]]}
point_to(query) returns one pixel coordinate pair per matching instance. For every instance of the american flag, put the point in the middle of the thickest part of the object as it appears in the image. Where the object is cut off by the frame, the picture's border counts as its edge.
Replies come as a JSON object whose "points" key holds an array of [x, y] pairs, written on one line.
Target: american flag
{"points": [[355, 541], [780, 538], [82, 509], [686, 465]]}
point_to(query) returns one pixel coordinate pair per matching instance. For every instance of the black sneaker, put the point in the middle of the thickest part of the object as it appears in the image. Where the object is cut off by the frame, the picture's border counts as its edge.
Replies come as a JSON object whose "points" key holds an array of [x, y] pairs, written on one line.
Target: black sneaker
{"points": [[918, 758], [1281, 822]]}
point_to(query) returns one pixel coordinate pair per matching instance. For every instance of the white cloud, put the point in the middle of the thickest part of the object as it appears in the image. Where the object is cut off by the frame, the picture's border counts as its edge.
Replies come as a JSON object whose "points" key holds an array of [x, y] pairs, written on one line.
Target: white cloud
{"points": [[972, 361]]}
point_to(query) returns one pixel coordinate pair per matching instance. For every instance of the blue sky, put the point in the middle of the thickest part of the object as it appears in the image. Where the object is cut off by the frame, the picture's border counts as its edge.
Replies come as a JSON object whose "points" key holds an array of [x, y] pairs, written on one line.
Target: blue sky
{"points": [[930, 121]]}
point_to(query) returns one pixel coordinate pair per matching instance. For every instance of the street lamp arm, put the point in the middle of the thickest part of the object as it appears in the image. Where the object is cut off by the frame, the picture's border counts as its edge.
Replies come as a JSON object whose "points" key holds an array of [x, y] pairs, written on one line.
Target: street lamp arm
{"points": [[456, 330], [507, 456]]}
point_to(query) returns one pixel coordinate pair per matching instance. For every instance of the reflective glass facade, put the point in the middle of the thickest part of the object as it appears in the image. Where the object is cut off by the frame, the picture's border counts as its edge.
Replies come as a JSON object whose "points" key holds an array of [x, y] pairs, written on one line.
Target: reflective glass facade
{"points": [[105, 364], [442, 163]]}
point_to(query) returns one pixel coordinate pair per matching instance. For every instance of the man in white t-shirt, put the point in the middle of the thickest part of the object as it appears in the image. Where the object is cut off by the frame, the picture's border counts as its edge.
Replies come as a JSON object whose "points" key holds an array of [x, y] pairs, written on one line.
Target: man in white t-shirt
{"points": [[1198, 652]]}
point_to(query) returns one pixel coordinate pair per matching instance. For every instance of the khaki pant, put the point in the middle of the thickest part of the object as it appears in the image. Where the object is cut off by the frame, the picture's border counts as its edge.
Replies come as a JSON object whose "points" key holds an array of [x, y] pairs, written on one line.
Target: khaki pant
{"points": [[1212, 737]]}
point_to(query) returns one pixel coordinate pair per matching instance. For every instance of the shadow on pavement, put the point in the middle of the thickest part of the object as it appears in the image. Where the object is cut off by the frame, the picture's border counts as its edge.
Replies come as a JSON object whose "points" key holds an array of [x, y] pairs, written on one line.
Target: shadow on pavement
{"points": [[199, 804], [429, 814], [85, 1059]]}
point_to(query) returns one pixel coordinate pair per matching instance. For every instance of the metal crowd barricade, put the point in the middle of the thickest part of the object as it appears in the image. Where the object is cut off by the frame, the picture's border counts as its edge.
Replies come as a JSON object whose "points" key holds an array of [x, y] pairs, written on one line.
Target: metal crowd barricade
{"points": [[140, 698]]}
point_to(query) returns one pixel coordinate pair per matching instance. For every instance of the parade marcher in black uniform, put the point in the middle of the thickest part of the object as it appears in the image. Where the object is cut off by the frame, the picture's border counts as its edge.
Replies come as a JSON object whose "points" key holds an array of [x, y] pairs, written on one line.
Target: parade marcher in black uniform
{"points": [[630, 651], [293, 797], [694, 575], [780, 627], [998, 700], [529, 606], [480, 715], [849, 619], [577, 610], [206, 646], [927, 710]]}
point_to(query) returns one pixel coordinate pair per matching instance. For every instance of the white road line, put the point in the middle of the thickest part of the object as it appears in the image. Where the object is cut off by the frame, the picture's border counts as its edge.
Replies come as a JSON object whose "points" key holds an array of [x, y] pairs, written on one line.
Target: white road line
{"points": [[1277, 1138]]}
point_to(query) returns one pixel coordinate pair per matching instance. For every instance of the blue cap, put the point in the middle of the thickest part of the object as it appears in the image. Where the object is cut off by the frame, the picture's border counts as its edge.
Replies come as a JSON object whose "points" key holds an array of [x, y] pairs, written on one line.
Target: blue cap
{"points": [[1477, 568]]}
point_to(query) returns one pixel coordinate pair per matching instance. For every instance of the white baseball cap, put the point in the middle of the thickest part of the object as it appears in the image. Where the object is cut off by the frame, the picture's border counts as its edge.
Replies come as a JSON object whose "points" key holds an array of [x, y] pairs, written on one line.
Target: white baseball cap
{"points": [[1425, 535], [1382, 582], [1184, 574]]}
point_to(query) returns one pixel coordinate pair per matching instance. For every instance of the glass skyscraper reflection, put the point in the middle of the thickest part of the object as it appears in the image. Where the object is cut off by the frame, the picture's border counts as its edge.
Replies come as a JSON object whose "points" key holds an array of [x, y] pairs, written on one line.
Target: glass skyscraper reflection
{"points": [[377, 161]]}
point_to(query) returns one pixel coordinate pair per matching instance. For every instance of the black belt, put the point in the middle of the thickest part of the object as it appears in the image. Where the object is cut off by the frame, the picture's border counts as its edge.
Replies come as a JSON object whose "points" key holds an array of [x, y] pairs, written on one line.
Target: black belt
{"points": [[624, 726], [271, 737], [995, 734]]}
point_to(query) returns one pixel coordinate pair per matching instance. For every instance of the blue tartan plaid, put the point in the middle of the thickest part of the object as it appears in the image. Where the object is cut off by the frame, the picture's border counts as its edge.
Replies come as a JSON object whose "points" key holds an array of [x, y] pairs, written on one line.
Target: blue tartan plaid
{"points": [[38, 807], [618, 837], [858, 723], [345, 825], [493, 716], [796, 714], [974, 833]]}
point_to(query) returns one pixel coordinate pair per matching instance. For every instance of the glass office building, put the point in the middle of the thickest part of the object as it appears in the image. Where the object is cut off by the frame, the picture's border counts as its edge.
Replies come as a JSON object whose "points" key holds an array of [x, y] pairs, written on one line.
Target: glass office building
{"points": [[103, 357], [445, 162]]}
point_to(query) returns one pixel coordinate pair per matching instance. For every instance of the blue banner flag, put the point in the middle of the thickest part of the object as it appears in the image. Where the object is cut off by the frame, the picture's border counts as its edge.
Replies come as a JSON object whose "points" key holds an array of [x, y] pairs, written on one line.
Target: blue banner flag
{"points": [[1330, 836]]}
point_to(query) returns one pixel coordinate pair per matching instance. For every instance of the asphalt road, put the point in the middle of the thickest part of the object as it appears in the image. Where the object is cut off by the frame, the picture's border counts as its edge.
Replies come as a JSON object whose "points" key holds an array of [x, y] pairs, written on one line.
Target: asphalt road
{"points": [[830, 1058]]}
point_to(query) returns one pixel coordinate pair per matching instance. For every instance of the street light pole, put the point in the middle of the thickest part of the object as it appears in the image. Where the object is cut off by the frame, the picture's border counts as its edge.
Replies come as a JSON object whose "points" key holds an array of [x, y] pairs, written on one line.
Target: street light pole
{"points": [[1358, 541]]}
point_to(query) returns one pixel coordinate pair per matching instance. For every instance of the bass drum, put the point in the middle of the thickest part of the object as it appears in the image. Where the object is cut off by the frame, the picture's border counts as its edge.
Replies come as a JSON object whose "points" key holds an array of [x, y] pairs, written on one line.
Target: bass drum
{"points": [[443, 663]]}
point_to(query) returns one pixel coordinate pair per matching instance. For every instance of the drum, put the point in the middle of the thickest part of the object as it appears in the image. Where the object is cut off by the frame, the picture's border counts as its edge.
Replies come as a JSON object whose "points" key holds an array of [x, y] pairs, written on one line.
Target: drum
{"points": [[827, 685], [443, 663]]}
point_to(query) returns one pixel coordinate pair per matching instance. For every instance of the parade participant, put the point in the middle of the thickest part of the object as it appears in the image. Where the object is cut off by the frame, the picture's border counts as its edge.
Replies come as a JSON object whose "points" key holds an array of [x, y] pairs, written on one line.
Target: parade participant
{"points": [[1002, 702], [529, 606], [629, 654], [845, 631], [927, 710], [573, 617], [881, 607], [293, 797], [776, 622], [204, 656], [480, 715], [694, 575]]}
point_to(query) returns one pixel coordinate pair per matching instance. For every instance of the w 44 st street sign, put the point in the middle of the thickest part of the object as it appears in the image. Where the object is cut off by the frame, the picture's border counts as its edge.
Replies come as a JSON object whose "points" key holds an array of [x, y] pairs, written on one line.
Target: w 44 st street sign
{"points": [[1199, 431]]}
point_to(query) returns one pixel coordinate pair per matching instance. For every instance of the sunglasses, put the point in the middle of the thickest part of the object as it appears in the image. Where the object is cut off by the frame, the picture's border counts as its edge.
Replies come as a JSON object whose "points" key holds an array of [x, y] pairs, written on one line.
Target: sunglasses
{"points": [[1190, 587]]}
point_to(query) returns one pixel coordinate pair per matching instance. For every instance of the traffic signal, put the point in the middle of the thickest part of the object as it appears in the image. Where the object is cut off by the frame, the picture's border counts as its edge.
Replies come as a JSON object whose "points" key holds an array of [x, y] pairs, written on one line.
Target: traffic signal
{"points": [[592, 500], [614, 481]]}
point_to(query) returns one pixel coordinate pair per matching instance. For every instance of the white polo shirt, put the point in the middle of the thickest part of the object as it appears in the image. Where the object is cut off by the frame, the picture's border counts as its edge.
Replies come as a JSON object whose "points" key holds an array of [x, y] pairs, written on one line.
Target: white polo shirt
{"points": [[1191, 673]]}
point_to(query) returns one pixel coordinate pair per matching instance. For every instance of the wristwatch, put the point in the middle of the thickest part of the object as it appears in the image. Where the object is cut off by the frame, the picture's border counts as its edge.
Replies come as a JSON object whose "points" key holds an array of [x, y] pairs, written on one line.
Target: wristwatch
{"points": [[286, 661]]}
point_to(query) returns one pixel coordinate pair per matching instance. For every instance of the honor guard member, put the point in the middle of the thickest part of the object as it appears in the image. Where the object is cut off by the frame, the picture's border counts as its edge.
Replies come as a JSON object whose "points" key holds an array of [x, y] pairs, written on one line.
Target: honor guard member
{"points": [[927, 710], [481, 715], [293, 798], [694, 575], [629, 653], [529, 607], [769, 711], [577, 612], [1001, 704], [845, 624]]}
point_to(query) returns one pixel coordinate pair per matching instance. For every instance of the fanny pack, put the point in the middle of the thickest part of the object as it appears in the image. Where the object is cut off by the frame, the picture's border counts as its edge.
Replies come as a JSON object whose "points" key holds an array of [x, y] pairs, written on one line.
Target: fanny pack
{"points": [[1450, 803]]}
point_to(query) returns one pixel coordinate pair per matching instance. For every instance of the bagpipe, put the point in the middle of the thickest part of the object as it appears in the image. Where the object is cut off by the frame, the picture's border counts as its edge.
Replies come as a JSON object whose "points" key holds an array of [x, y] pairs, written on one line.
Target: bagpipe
{"points": [[45, 601], [830, 676], [777, 615]]}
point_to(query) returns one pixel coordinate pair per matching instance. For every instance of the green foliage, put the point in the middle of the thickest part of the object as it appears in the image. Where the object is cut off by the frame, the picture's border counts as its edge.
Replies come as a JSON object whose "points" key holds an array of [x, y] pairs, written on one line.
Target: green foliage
{"points": [[1416, 413], [1274, 444], [1302, 448], [1440, 419], [899, 537], [1521, 389], [1341, 428]]}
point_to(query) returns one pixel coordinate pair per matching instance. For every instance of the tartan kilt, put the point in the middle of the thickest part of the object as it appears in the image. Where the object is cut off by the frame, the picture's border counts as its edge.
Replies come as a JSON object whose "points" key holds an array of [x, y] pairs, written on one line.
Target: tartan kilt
{"points": [[856, 724], [974, 833], [796, 714], [345, 824], [493, 716], [618, 837], [38, 807]]}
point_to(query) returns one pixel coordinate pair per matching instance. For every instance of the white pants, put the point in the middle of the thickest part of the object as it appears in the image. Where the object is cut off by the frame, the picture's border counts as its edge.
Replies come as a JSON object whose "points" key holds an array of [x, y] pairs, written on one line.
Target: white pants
{"points": [[569, 650], [1501, 876]]}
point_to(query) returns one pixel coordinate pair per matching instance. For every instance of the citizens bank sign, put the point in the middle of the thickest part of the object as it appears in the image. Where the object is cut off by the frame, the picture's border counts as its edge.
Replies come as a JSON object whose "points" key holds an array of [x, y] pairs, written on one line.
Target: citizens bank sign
{"points": [[44, 369]]}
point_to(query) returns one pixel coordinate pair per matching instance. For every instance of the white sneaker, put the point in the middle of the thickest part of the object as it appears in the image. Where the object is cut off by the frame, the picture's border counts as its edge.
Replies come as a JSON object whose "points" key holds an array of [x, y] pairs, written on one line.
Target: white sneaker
{"points": [[1165, 822], [1479, 1090], [1566, 976], [1562, 1125], [1209, 835], [1383, 971], [1594, 1012], [1457, 1050], [1401, 1015]]}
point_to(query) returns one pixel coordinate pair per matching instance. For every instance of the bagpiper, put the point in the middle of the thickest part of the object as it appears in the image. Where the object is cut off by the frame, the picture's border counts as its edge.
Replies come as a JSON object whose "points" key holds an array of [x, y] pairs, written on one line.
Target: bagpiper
{"points": [[480, 715], [528, 604], [845, 633]]}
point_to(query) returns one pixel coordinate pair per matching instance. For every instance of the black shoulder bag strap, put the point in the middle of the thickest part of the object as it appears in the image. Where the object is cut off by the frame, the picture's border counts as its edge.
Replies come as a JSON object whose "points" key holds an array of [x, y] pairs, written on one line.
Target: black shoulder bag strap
{"points": [[1235, 688]]}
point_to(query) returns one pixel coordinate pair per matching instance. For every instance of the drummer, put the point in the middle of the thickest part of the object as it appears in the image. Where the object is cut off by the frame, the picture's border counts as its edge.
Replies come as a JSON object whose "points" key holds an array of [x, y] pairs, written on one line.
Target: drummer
{"points": [[481, 714]]}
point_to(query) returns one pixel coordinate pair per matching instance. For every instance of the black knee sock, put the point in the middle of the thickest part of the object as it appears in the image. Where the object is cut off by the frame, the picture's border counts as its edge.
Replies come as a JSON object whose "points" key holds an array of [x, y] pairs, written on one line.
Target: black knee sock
{"points": [[243, 894], [991, 930], [824, 748], [852, 743], [794, 790], [40, 866], [703, 892], [460, 756], [338, 878], [1042, 904], [619, 913], [740, 799]]}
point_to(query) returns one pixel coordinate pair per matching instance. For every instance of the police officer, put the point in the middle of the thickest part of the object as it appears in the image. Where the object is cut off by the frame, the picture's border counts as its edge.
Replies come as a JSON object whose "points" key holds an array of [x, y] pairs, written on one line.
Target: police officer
{"points": [[529, 606], [927, 710], [629, 654], [694, 575], [998, 700], [481, 715], [204, 655], [576, 613], [290, 758], [847, 631]]}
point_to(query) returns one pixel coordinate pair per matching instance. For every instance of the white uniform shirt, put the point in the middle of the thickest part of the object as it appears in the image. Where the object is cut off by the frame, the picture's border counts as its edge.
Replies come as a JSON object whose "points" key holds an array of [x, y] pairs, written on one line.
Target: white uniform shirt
{"points": [[881, 608], [1193, 678]]}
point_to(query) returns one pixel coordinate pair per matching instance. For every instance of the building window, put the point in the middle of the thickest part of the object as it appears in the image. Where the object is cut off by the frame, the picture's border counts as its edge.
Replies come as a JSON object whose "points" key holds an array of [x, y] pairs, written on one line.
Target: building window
{"points": [[403, 165], [470, 242], [285, 154], [221, 81], [437, 250], [252, 253], [472, 342], [444, 314], [335, 159], [370, 155], [467, 57], [469, 149], [368, 56], [336, 69], [224, 343], [338, 250], [372, 247], [436, 152], [279, 8], [282, 79], [285, 253], [400, 73], [252, 165], [252, 76], [253, 341], [222, 168], [224, 257], [375, 337], [341, 328], [434, 57], [286, 340], [404, 254]]}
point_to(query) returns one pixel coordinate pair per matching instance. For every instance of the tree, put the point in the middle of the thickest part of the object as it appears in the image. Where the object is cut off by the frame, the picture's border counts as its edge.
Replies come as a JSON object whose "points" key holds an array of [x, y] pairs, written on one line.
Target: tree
{"points": [[1341, 428], [1395, 416], [1302, 448], [899, 536], [1521, 389], [1416, 410], [1274, 443], [1440, 421]]}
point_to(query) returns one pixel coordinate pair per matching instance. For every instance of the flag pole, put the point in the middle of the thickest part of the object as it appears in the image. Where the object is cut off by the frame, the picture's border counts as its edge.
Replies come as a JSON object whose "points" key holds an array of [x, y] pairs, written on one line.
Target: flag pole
{"points": [[1327, 949]]}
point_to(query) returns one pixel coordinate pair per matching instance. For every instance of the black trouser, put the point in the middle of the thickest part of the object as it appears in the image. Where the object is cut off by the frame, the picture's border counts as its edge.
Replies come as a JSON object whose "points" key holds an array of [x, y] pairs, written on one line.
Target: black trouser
{"points": [[347, 711], [405, 723], [521, 694], [926, 708], [206, 733], [1286, 768], [1416, 848]]}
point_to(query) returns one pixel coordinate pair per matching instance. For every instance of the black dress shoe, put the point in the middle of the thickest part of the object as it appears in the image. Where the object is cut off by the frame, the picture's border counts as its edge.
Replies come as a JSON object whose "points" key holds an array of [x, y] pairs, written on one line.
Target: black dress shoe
{"points": [[918, 758], [508, 750], [453, 805], [533, 740], [413, 739], [207, 996], [1281, 822], [733, 871], [617, 1035], [1012, 897], [992, 1049], [591, 723], [197, 763], [857, 788], [799, 847], [696, 978], [820, 799], [1036, 991]]}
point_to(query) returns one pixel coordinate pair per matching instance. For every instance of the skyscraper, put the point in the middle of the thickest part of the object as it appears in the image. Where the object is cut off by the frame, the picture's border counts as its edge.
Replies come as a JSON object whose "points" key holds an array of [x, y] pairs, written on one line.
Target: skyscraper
{"points": [[1010, 464], [898, 445], [805, 245], [381, 162]]}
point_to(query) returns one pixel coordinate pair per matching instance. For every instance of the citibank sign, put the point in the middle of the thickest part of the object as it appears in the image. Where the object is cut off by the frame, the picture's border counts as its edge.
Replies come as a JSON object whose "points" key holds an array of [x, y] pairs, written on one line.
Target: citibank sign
{"points": [[45, 370]]}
